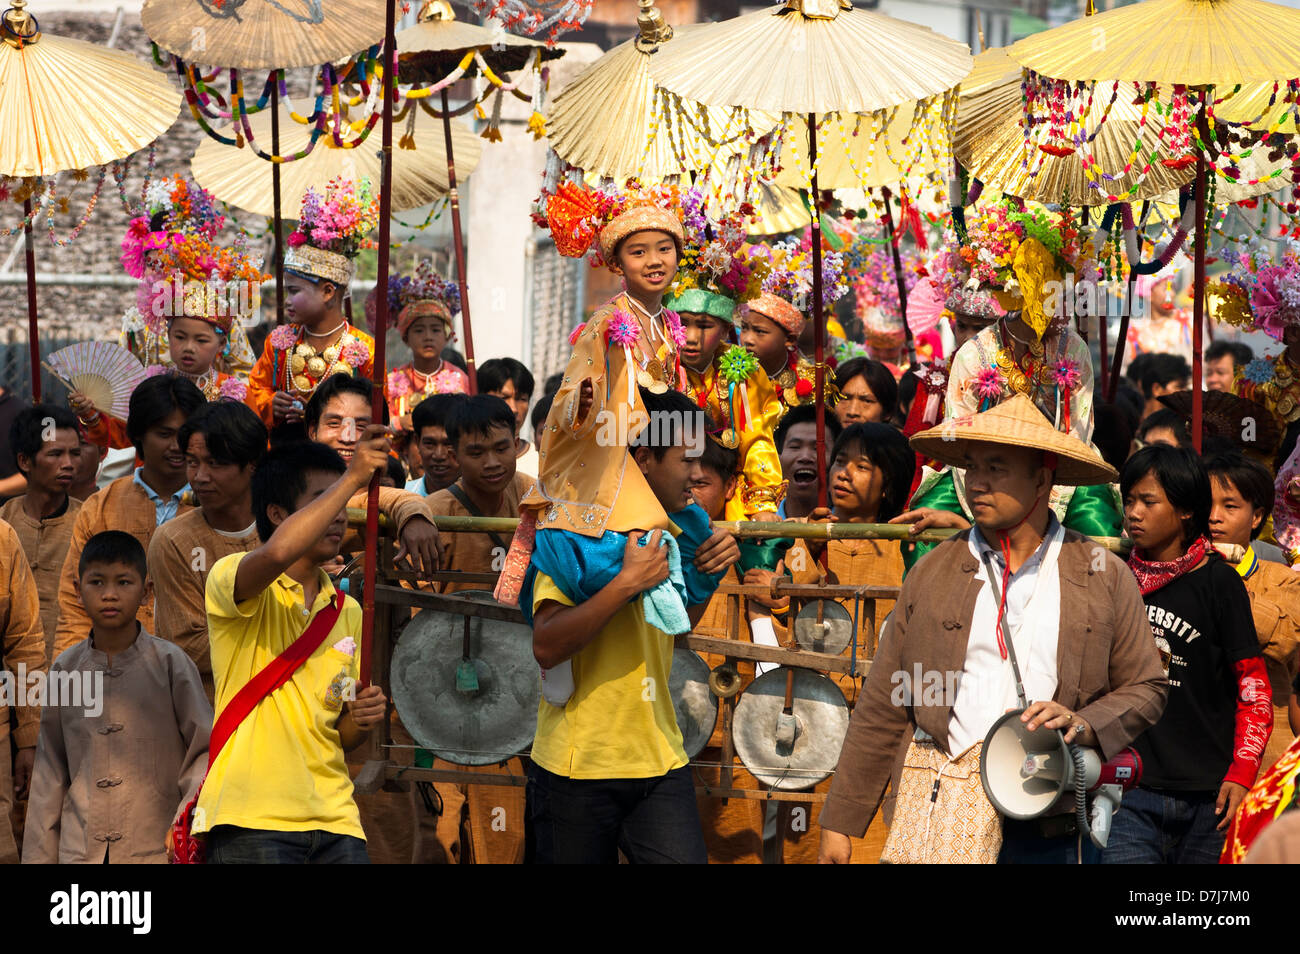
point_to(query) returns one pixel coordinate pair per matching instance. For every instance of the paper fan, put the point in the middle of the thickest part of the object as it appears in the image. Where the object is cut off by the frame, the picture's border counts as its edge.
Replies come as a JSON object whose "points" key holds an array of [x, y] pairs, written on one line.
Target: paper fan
{"points": [[925, 306], [105, 373]]}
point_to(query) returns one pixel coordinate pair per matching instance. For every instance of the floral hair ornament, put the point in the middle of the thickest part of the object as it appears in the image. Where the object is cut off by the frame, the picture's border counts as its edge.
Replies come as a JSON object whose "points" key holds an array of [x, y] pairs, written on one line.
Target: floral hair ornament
{"points": [[183, 273], [332, 229], [592, 222], [621, 331], [423, 292], [717, 272], [1021, 254]]}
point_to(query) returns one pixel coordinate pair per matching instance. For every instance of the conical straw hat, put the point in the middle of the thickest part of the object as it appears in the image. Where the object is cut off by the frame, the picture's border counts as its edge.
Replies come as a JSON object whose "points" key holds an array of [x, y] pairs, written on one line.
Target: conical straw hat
{"points": [[263, 34], [1015, 423]]}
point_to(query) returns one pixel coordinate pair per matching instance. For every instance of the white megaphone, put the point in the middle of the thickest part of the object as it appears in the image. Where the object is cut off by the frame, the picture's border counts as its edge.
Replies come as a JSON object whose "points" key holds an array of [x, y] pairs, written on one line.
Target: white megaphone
{"points": [[1026, 773]]}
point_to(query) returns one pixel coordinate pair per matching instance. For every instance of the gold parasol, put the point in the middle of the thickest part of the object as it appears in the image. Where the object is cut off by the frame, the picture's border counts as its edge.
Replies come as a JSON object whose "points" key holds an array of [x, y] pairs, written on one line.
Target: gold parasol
{"points": [[438, 42], [1195, 50], [856, 156], [238, 177], [989, 141], [586, 132], [263, 34], [809, 62], [65, 104], [811, 56], [1192, 42]]}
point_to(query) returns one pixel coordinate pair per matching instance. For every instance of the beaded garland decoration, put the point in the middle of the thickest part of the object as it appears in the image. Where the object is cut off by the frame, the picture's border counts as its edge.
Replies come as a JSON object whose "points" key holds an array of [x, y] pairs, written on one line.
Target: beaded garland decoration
{"points": [[302, 368]]}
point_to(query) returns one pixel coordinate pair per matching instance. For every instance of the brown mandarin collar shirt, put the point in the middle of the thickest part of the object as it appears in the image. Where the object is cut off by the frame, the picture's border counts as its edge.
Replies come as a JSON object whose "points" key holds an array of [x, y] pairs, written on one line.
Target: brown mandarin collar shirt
{"points": [[1107, 667], [46, 544], [114, 782], [122, 505]]}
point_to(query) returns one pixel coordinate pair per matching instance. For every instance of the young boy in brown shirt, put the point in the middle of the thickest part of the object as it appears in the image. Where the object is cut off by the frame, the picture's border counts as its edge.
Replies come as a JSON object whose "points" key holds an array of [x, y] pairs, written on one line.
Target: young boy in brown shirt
{"points": [[111, 777]]}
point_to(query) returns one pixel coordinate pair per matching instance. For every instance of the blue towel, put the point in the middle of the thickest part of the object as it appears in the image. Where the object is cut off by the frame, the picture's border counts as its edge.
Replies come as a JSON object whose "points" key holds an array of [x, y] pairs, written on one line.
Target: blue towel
{"points": [[582, 566]]}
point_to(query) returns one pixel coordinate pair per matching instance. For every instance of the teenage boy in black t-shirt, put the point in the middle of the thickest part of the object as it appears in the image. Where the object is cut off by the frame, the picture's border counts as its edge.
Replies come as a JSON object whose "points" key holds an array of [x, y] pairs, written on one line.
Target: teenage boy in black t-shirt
{"points": [[1204, 753]]}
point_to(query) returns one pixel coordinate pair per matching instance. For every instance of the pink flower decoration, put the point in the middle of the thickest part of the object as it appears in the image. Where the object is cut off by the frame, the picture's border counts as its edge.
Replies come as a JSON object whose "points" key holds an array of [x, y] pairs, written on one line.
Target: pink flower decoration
{"points": [[988, 384], [1272, 312], [1066, 374], [354, 353], [399, 384], [576, 332], [284, 337], [233, 389], [622, 330], [674, 325], [296, 239]]}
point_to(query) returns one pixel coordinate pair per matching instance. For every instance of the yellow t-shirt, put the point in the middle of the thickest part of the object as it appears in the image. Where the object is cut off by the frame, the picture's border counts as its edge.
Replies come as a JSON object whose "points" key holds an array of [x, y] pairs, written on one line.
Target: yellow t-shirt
{"points": [[620, 721], [282, 769]]}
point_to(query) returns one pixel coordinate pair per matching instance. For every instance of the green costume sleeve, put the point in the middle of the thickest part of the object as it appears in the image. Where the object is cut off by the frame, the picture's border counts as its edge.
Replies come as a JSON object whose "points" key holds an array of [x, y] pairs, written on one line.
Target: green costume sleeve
{"points": [[1092, 512], [763, 554], [942, 496]]}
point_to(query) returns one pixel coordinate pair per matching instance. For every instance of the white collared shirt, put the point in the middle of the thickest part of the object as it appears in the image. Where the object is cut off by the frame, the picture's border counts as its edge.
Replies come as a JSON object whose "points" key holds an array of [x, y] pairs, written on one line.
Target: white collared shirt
{"points": [[1033, 613]]}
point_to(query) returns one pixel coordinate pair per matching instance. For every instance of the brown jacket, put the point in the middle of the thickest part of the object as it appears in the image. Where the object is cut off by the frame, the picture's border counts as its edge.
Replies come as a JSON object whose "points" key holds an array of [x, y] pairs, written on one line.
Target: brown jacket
{"points": [[1107, 667], [1274, 590]]}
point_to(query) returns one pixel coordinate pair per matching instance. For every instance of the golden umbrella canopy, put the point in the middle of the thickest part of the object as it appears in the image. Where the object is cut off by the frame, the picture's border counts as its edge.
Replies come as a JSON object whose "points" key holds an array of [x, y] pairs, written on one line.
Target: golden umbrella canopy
{"points": [[1193, 42], [867, 160], [263, 34], [66, 104], [437, 43], [811, 56], [240, 178], [603, 120], [989, 141]]}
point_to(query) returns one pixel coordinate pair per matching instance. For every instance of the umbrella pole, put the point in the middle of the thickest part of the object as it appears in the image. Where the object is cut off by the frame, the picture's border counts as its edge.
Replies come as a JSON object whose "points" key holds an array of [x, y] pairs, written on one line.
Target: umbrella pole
{"points": [[1198, 304], [898, 277], [33, 338], [818, 316], [379, 371], [458, 241], [278, 249], [1112, 371]]}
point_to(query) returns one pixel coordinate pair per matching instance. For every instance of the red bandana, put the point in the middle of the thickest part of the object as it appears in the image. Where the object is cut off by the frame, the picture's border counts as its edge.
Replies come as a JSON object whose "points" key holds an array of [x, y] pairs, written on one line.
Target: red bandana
{"points": [[1152, 576]]}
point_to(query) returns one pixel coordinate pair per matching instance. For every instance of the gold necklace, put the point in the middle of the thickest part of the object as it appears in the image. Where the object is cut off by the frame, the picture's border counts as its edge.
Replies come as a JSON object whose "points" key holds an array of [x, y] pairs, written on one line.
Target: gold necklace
{"points": [[309, 366]]}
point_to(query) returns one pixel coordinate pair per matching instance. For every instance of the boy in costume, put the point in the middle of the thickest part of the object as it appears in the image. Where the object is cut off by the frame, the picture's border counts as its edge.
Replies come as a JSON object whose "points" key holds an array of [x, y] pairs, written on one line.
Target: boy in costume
{"points": [[193, 299], [771, 327], [714, 281], [152, 728], [424, 306], [318, 341]]}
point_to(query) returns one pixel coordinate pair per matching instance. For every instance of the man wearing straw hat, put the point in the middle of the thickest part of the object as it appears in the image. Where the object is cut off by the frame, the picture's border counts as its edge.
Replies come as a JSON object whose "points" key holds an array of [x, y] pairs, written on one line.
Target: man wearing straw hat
{"points": [[1076, 622]]}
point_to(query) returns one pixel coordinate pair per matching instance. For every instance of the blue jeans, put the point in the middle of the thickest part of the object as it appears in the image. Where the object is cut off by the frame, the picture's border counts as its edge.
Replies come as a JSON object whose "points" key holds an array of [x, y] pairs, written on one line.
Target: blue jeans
{"points": [[1161, 827], [1023, 845], [228, 845], [587, 821]]}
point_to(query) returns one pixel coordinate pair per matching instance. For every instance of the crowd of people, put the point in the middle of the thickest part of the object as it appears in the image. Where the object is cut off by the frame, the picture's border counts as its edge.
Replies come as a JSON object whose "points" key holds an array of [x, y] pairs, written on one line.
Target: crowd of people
{"points": [[191, 560]]}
